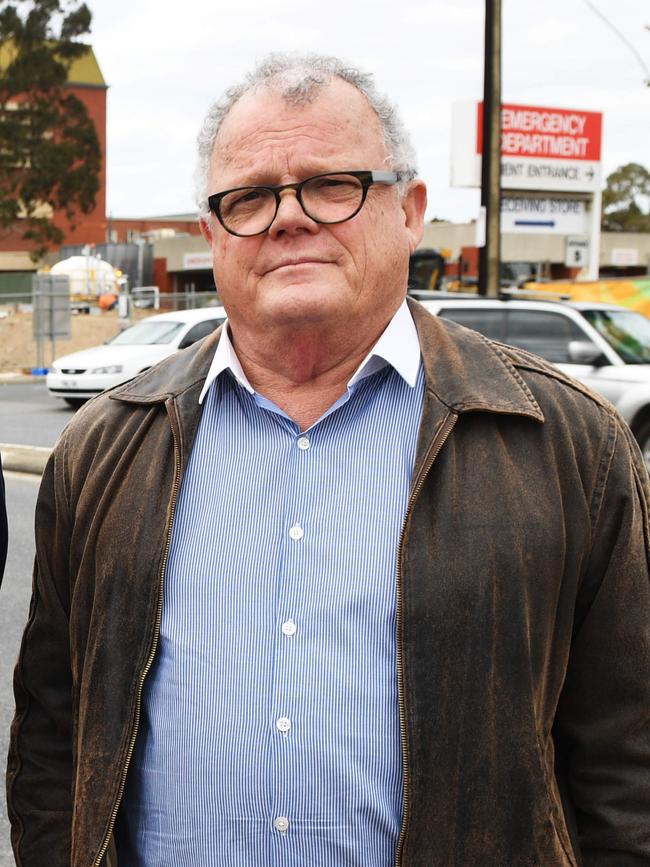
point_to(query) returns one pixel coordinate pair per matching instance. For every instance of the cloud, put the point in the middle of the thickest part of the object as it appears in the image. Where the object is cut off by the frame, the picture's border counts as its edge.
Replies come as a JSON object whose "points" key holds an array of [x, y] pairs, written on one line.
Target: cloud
{"points": [[166, 61]]}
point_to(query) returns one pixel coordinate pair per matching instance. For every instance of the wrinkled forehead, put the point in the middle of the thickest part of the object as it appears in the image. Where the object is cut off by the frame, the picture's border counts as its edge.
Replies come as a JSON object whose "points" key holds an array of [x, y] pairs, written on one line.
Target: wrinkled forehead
{"points": [[335, 115]]}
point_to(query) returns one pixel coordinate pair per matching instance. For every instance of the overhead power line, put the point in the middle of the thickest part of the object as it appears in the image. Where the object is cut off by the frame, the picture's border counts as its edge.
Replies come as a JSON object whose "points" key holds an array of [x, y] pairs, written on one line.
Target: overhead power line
{"points": [[623, 39]]}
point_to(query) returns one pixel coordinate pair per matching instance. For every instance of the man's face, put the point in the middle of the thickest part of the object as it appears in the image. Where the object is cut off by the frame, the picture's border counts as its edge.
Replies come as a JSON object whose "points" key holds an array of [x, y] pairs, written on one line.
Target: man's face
{"points": [[300, 272]]}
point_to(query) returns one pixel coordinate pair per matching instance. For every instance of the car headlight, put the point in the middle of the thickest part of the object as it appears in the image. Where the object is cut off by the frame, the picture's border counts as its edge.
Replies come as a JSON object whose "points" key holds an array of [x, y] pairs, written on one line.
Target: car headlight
{"points": [[111, 368]]}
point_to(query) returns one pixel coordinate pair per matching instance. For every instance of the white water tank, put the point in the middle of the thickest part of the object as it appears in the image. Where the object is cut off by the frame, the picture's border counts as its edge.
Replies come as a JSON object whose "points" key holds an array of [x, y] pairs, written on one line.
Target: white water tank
{"points": [[88, 275]]}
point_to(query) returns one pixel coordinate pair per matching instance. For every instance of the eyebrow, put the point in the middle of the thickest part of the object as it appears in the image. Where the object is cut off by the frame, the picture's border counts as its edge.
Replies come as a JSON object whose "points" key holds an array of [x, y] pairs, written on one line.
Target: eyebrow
{"points": [[272, 180]]}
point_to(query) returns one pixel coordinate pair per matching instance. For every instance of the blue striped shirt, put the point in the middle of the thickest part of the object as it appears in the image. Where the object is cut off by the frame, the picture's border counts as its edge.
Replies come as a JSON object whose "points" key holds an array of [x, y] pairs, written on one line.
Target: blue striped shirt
{"points": [[269, 734]]}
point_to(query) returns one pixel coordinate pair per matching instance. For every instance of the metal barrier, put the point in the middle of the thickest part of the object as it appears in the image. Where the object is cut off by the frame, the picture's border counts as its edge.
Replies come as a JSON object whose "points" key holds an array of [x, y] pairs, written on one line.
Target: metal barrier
{"points": [[188, 300], [146, 296], [168, 300]]}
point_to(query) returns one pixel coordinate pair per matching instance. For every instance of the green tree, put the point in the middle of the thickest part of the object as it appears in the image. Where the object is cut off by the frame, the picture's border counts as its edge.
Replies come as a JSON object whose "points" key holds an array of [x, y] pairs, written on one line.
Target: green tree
{"points": [[626, 200], [50, 156]]}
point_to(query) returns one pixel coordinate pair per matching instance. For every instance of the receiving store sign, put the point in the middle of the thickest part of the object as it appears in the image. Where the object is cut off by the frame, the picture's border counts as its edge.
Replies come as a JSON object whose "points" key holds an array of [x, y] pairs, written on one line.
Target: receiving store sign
{"points": [[554, 149], [546, 214]]}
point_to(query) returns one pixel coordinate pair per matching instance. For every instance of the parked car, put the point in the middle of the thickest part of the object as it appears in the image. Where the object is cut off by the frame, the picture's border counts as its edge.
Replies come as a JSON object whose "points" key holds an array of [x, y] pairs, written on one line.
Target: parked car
{"points": [[81, 375], [604, 346]]}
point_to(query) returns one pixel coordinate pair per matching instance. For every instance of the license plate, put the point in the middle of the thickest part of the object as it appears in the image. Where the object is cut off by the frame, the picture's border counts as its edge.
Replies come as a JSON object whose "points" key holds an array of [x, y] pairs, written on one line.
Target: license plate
{"points": [[69, 383]]}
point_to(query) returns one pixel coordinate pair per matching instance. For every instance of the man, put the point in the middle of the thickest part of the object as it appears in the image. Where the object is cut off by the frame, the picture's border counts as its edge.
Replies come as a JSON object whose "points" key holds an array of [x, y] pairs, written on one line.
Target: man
{"points": [[344, 585]]}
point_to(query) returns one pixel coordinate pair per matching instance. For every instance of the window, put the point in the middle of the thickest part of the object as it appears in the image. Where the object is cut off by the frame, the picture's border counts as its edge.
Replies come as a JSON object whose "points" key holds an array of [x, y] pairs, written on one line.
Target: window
{"points": [[147, 333], [491, 323], [545, 334], [627, 331], [202, 329]]}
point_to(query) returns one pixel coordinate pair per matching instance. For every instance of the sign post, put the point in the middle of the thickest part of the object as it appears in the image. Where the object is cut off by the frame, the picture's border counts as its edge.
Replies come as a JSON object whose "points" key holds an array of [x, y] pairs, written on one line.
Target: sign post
{"points": [[489, 269], [51, 318]]}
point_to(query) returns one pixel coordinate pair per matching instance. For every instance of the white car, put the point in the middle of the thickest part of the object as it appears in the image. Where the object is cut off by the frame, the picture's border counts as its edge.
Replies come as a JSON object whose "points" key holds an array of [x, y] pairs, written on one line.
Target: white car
{"points": [[82, 375], [604, 346]]}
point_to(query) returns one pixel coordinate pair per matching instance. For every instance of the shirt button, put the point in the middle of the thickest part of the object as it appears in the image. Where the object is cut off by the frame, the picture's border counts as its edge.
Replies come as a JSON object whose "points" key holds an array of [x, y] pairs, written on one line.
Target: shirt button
{"points": [[281, 823], [303, 443], [296, 532], [283, 724], [289, 627]]}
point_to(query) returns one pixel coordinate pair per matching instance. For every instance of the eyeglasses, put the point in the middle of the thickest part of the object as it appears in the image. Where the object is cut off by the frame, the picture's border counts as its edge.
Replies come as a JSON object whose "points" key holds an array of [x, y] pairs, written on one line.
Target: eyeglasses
{"points": [[330, 198]]}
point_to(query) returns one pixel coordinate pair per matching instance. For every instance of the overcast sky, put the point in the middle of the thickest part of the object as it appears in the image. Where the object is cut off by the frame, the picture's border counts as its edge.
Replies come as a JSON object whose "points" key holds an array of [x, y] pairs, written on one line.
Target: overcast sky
{"points": [[165, 61]]}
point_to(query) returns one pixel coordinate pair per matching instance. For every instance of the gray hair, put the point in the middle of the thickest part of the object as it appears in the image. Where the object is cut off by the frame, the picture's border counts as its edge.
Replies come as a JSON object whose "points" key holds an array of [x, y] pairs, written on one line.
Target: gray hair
{"points": [[298, 78]]}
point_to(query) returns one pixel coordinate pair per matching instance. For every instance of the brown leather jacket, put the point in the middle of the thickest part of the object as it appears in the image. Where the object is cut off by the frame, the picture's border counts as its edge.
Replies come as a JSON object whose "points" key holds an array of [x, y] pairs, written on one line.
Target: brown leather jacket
{"points": [[523, 616]]}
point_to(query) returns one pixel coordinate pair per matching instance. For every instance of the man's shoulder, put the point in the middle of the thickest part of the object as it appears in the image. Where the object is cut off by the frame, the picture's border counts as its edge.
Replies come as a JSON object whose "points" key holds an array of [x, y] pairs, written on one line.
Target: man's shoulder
{"points": [[470, 372], [575, 416], [490, 367], [541, 374]]}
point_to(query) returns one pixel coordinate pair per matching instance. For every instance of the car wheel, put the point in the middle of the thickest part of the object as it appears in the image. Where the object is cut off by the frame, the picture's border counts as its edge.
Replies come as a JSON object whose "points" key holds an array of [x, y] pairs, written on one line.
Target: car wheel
{"points": [[75, 402], [642, 434]]}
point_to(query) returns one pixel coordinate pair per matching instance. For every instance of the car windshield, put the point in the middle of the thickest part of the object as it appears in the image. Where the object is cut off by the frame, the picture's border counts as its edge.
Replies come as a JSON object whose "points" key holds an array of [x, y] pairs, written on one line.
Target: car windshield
{"points": [[626, 331], [147, 333]]}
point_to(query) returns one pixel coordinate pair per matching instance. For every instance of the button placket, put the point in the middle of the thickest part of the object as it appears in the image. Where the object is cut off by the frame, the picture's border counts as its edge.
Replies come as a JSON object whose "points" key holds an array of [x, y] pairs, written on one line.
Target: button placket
{"points": [[290, 589]]}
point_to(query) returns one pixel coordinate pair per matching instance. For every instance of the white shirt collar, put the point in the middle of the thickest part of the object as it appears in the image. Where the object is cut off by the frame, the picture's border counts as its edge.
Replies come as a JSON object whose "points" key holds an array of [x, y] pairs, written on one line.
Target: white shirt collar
{"points": [[398, 346]]}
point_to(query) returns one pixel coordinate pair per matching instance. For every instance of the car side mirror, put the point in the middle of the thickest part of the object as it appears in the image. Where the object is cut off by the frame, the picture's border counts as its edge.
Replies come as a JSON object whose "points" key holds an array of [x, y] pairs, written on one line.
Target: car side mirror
{"points": [[586, 352]]}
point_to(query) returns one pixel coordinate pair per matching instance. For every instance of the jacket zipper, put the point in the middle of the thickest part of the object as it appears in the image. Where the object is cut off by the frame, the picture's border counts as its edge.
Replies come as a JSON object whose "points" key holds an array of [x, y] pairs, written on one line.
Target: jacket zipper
{"points": [[150, 659], [436, 446]]}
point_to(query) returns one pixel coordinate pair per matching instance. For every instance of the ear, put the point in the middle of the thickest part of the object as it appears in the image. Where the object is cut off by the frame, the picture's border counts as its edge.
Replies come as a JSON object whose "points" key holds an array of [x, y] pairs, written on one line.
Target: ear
{"points": [[206, 229], [414, 204]]}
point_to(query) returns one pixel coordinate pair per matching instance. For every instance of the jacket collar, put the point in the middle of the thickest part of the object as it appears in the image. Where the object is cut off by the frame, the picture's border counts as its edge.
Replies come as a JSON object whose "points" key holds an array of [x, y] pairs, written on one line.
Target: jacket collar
{"points": [[463, 370]]}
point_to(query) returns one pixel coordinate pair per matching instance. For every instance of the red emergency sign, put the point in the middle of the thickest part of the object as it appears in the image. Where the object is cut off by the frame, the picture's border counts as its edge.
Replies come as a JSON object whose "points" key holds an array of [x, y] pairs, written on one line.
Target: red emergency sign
{"points": [[555, 133]]}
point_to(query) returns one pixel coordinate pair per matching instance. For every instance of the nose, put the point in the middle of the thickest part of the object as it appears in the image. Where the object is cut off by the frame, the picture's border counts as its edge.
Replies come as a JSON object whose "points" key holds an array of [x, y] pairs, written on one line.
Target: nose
{"points": [[291, 218]]}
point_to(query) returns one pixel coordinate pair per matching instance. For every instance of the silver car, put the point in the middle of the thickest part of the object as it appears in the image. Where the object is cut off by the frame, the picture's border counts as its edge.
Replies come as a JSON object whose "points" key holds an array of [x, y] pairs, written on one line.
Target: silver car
{"points": [[604, 346]]}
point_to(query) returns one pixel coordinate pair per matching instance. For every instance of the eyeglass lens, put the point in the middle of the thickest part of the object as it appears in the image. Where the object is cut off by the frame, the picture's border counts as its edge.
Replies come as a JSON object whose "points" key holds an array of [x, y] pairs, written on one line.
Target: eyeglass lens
{"points": [[328, 199]]}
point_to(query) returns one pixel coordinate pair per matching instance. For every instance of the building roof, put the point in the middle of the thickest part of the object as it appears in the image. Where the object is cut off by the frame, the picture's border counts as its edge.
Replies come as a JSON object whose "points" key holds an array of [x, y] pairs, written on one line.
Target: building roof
{"points": [[84, 70]]}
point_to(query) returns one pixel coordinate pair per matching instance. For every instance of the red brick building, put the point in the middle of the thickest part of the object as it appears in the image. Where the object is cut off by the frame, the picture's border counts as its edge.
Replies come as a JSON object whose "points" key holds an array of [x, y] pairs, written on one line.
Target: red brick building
{"points": [[87, 83]]}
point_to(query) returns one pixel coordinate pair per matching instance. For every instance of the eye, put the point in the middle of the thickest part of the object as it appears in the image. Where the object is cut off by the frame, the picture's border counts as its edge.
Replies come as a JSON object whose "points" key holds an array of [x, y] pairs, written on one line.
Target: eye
{"points": [[242, 203], [336, 189], [330, 183], [249, 195]]}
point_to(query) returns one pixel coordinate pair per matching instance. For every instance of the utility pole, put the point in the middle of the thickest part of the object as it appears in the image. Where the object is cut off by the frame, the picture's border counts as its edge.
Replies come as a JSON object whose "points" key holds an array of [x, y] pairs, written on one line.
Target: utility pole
{"points": [[490, 253]]}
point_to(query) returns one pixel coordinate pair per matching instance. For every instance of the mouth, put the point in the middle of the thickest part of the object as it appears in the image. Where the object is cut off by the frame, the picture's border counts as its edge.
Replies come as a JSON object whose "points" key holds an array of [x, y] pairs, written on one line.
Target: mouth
{"points": [[300, 261]]}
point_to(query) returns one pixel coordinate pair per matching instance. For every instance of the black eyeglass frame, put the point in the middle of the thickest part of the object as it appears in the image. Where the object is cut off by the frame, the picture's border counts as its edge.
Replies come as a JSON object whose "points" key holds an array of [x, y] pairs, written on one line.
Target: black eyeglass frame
{"points": [[365, 176]]}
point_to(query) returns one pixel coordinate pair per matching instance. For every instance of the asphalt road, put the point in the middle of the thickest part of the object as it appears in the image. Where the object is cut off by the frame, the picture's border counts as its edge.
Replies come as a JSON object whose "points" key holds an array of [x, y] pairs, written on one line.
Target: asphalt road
{"points": [[29, 416], [14, 603]]}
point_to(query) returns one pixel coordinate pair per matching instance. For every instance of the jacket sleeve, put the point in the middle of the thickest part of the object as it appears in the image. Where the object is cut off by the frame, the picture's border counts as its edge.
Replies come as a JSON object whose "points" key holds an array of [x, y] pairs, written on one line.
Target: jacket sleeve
{"points": [[603, 720], [39, 771]]}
